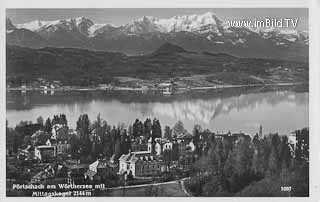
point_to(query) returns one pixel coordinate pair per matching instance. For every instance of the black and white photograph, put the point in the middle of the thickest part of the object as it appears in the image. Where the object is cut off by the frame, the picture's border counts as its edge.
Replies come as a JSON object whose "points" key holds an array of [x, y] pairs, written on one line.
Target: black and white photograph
{"points": [[157, 102]]}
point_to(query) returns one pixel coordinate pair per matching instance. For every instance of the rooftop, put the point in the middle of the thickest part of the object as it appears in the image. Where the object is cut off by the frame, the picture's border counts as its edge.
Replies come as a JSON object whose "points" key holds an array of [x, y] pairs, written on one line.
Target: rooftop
{"points": [[77, 166], [44, 147], [137, 156], [90, 173]]}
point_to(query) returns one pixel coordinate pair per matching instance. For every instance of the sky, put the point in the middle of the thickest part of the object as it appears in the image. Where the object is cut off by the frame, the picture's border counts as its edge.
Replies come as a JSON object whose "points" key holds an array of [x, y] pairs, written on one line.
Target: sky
{"points": [[120, 16]]}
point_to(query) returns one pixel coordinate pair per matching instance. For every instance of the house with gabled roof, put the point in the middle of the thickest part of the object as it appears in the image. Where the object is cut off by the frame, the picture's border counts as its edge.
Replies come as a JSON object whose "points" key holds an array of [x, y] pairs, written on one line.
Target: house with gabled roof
{"points": [[101, 169]]}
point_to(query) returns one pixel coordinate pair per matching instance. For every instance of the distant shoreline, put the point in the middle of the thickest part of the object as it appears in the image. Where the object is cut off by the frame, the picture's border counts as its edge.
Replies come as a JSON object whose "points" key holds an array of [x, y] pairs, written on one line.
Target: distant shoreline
{"points": [[115, 88]]}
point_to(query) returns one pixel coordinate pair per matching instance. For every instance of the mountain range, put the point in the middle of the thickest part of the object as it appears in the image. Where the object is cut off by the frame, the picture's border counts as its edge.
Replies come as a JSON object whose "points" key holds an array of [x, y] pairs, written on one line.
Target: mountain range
{"points": [[204, 32]]}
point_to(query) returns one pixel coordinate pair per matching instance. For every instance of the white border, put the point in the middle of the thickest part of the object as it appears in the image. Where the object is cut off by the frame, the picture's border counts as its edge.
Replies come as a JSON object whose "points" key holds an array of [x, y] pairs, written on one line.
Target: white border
{"points": [[314, 72]]}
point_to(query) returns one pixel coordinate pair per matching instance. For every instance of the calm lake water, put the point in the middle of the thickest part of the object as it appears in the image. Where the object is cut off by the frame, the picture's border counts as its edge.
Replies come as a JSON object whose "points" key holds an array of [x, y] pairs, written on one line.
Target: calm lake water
{"points": [[277, 110]]}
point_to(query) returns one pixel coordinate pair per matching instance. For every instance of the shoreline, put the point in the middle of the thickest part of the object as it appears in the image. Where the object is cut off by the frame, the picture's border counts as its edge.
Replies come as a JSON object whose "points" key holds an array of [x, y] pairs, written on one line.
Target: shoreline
{"points": [[115, 88]]}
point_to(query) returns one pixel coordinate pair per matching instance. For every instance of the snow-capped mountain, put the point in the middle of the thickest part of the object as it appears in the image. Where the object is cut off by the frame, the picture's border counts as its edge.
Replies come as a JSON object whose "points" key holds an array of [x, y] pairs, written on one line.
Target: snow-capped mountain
{"points": [[207, 22], [80, 24], [204, 32]]}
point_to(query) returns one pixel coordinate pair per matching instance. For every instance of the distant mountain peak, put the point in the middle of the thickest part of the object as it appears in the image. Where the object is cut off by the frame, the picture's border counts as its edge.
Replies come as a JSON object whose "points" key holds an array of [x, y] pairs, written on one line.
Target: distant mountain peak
{"points": [[82, 23], [147, 18], [9, 24], [85, 20]]}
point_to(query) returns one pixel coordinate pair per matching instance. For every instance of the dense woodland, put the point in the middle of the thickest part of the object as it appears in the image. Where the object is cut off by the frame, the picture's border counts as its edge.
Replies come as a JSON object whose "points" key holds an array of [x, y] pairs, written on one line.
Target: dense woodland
{"points": [[253, 167]]}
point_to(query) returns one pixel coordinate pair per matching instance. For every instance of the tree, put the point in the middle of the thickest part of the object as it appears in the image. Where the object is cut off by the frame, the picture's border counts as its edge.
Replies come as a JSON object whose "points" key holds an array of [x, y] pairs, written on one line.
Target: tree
{"points": [[285, 153], [227, 146], [196, 137], [125, 143], [137, 128], [27, 140], [178, 129], [147, 126], [39, 138], [130, 131], [156, 129], [274, 161], [40, 120], [100, 126], [217, 156], [83, 124], [99, 140], [167, 133], [302, 145], [117, 149], [63, 120], [55, 120], [48, 126], [108, 144], [243, 156], [74, 144], [258, 156], [255, 139]]}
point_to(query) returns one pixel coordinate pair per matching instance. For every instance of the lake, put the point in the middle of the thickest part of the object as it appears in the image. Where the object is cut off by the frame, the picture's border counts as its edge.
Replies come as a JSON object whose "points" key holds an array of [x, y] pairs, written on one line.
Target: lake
{"points": [[277, 109]]}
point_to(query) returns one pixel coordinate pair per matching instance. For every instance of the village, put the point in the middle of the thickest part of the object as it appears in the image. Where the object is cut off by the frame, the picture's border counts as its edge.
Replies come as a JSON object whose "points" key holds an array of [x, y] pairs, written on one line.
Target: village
{"points": [[144, 155], [146, 159]]}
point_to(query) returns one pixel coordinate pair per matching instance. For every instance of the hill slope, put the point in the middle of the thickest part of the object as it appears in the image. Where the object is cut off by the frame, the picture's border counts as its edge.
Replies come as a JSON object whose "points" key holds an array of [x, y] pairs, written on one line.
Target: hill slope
{"points": [[74, 66]]}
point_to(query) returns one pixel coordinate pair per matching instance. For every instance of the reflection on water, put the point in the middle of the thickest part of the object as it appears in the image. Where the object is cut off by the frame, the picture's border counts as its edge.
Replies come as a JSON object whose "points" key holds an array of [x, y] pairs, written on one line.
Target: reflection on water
{"points": [[277, 111]]}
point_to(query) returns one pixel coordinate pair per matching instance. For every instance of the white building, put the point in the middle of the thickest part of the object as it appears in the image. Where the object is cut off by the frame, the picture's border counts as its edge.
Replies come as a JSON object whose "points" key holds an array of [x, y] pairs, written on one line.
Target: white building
{"points": [[191, 146], [139, 164], [55, 129], [45, 152], [292, 140], [160, 146]]}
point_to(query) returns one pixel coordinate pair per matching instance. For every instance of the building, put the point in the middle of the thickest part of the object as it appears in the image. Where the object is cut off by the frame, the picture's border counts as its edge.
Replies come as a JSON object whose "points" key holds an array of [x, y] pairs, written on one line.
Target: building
{"points": [[100, 170], [292, 140], [167, 146], [62, 146], [139, 164], [45, 153], [104, 86], [160, 145], [182, 144], [55, 130], [41, 176], [233, 138], [76, 173], [139, 146], [191, 146]]}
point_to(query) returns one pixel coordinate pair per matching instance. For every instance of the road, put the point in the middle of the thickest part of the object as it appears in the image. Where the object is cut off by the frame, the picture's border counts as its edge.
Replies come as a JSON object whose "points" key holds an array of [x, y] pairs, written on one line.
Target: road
{"points": [[173, 188]]}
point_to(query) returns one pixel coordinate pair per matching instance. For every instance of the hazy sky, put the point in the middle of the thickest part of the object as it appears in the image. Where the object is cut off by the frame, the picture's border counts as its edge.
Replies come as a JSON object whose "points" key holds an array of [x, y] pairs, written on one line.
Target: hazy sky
{"points": [[118, 16]]}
